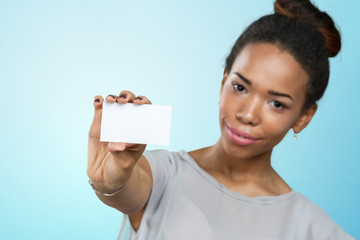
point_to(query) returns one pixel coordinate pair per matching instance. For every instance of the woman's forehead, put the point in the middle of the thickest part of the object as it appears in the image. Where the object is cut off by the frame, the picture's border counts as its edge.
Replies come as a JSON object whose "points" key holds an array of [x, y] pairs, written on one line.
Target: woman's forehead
{"points": [[267, 64]]}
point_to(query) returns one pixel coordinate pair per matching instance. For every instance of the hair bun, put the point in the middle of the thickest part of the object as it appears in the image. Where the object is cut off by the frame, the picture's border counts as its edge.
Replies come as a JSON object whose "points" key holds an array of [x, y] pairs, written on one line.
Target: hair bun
{"points": [[305, 11]]}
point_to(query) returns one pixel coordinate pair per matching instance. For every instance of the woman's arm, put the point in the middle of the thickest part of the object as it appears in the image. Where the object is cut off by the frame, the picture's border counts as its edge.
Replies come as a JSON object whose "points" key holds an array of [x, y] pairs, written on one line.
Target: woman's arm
{"points": [[113, 166]]}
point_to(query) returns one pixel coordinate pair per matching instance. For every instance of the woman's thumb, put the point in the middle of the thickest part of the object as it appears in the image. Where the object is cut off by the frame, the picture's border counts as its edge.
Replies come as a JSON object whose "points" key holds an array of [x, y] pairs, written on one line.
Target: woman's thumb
{"points": [[116, 146]]}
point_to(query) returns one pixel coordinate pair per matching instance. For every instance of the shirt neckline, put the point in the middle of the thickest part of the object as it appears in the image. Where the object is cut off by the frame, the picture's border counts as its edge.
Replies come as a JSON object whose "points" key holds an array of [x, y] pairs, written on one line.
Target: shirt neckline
{"points": [[263, 200]]}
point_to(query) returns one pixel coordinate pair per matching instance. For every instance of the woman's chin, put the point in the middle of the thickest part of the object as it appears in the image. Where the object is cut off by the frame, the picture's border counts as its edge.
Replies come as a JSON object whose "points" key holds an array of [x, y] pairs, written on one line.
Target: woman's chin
{"points": [[237, 151]]}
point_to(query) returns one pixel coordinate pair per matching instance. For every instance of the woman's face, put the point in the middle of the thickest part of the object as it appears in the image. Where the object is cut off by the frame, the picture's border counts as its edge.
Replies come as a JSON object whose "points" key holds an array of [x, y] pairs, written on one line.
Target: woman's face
{"points": [[261, 99]]}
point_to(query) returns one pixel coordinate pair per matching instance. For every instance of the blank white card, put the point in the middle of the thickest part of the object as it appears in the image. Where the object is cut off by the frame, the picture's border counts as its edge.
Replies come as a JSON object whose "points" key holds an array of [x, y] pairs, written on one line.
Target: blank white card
{"points": [[131, 123]]}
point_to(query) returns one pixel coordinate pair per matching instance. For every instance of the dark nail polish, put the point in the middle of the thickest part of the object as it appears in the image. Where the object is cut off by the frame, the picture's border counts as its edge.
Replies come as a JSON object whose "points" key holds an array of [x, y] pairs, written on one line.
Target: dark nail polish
{"points": [[112, 96], [97, 100], [140, 98], [123, 95]]}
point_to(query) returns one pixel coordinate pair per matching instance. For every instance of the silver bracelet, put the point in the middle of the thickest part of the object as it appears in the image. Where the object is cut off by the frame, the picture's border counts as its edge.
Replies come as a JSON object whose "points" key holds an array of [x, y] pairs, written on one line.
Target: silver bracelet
{"points": [[106, 194]]}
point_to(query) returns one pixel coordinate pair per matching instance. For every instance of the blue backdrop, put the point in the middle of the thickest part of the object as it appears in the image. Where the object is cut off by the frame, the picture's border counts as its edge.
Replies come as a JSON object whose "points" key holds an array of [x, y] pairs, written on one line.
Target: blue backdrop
{"points": [[56, 55]]}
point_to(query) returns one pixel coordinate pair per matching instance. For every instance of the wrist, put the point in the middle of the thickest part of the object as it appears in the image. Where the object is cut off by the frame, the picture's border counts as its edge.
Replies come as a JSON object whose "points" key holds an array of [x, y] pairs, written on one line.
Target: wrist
{"points": [[105, 191]]}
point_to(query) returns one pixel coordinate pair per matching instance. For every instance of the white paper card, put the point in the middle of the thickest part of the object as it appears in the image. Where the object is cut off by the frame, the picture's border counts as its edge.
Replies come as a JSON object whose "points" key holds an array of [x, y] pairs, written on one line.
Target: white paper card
{"points": [[131, 123]]}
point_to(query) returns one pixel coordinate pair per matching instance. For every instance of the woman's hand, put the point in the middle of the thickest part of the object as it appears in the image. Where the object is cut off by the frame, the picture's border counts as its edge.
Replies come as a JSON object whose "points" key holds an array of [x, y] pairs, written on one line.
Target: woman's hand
{"points": [[110, 165]]}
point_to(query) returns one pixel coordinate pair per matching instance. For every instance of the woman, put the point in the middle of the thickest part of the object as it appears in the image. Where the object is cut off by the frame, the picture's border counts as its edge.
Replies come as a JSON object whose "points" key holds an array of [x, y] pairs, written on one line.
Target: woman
{"points": [[276, 72]]}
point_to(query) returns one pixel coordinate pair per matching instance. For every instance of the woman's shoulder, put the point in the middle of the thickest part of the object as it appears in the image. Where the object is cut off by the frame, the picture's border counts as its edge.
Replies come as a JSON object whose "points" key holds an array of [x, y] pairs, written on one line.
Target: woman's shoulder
{"points": [[315, 223], [163, 154], [165, 160]]}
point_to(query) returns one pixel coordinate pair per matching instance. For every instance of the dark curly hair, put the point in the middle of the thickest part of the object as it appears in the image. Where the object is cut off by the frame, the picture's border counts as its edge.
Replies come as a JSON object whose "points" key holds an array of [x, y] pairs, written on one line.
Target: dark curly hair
{"points": [[300, 28]]}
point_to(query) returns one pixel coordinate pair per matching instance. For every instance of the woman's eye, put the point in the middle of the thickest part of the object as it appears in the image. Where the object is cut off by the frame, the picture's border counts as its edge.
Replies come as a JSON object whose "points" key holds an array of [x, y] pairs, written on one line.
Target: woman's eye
{"points": [[278, 105], [239, 87]]}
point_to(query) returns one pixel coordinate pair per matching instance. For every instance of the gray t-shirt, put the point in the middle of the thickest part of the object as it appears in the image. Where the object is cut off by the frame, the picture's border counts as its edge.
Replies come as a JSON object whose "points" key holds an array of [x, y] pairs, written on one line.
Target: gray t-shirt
{"points": [[188, 203]]}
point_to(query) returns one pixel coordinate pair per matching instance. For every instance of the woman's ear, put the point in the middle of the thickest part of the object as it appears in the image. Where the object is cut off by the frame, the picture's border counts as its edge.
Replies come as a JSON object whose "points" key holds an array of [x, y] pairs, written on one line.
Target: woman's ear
{"points": [[304, 119], [225, 75]]}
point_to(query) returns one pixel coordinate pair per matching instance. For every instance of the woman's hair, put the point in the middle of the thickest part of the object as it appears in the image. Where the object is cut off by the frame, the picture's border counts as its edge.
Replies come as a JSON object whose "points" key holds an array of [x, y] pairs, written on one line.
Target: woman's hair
{"points": [[300, 28]]}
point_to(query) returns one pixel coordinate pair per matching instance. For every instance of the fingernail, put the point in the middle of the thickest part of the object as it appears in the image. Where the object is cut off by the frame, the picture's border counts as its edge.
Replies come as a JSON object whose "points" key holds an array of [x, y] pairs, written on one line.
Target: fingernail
{"points": [[112, 96], [97, 100], [140, 98], [123, 95]]}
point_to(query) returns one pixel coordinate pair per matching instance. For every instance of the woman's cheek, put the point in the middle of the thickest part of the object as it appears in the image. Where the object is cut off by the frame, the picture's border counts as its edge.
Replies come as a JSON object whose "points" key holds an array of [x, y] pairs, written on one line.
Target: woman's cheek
{"points": [[226, 104], [278, 126]]}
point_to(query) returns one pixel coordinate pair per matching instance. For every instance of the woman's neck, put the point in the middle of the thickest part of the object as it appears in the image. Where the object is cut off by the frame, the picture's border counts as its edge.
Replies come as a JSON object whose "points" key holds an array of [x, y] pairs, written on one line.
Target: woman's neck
{"points": [[252, 176], [220, 160]]}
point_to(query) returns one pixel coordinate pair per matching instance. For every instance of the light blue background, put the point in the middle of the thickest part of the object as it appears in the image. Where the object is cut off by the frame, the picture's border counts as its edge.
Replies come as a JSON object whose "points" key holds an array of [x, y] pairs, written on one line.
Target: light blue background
{"points": [[55, 56]]}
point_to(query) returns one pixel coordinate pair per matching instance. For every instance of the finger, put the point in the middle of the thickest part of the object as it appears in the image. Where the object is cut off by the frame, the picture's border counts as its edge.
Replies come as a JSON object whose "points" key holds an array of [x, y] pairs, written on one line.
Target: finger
{"points": [[121, 146], [121, 151], [95, 127], [116, 146], [98, 103], [141, 100], [125, 97], [135, 147], [111, 98]]}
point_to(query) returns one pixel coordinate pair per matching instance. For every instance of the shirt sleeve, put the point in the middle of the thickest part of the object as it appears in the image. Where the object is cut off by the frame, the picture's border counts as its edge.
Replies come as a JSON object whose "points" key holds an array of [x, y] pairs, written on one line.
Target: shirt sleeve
{"points": [[163, 168], [338, 233], [315, 224]]}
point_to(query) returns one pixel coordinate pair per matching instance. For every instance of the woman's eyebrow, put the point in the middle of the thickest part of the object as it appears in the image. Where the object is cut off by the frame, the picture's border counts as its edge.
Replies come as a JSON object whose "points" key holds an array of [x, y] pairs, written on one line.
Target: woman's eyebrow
{"points": [[274, 93], [280, 94], [243, 78]]}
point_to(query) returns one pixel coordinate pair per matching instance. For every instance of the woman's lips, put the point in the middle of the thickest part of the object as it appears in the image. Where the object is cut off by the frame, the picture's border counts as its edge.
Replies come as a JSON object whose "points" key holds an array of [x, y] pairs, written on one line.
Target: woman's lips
{"points": [[241, 138]]}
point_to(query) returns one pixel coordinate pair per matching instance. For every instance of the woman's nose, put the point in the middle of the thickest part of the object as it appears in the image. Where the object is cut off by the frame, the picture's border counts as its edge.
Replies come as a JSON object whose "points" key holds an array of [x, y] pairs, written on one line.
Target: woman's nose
{"points": [[248, 113]]}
